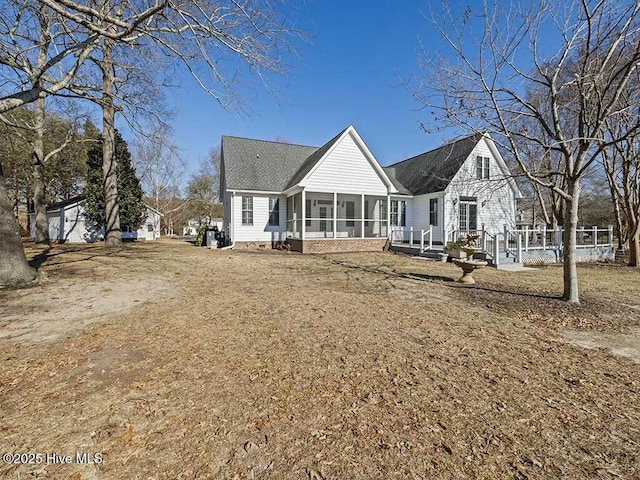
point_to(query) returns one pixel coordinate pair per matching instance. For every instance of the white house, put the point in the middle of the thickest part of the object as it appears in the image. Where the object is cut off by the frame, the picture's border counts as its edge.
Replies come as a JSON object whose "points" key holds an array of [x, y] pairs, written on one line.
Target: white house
{"points": [[67, 224], [338, 197], [192, 226], [463, 186]]}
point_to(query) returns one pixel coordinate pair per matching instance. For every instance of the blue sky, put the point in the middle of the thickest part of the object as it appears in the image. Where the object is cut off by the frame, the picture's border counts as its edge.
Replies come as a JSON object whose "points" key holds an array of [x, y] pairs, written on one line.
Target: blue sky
{"points": [[350, 73]]}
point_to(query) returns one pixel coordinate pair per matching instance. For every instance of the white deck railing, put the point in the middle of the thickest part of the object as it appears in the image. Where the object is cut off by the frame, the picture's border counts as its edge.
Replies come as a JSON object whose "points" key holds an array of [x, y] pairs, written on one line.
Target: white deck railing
{"points": [[407, 236], [510, 242], [551, 239]]}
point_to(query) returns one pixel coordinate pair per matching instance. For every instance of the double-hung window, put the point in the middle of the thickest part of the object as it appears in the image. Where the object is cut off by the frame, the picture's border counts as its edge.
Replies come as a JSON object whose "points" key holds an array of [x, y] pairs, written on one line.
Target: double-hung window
{"points": [[433, 211], [398, 213], [274, 212], [482, 168], [247, 210]]}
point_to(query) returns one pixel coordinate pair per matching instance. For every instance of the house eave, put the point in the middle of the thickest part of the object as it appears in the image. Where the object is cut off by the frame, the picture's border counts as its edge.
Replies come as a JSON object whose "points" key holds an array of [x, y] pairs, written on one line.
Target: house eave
{"points": [[293, 190], [258, 192], [510, 180]]}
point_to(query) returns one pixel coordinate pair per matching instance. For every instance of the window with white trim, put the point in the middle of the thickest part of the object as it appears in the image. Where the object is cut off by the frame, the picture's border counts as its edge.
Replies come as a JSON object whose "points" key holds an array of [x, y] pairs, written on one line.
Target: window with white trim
{"points": [[274, 211], [468, 214], [398, 213], [433, 211], [482, 168], [247, 210]]}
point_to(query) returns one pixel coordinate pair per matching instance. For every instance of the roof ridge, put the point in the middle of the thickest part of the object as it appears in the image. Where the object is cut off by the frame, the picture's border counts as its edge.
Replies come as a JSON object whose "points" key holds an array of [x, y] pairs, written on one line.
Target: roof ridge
{"points": [[270, 141], [452, 142]]}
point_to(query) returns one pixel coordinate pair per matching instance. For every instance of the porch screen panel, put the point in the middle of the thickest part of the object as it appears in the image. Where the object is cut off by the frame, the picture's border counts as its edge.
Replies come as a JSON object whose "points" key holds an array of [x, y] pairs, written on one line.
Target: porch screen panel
{"points": [[323, 219], [383, 211], [351, 213]]}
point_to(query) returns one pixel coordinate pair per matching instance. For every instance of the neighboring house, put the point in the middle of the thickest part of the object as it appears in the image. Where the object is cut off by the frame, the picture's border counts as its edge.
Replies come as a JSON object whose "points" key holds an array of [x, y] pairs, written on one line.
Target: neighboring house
{"points": [[67, 224], [193, 225], [338, 197]]}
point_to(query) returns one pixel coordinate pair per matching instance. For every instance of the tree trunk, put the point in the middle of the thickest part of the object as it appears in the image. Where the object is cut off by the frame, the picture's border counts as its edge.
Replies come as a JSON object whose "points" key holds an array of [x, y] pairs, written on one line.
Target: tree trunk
{"points": [[569, 243], [113, 236], [617, 208], [39, 205], [634, 243], [14, 268]]}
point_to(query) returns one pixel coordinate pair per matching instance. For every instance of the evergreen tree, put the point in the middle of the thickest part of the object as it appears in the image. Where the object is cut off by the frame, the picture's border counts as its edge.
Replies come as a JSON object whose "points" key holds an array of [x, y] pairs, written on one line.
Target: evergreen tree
{"points": [[129, 190]]}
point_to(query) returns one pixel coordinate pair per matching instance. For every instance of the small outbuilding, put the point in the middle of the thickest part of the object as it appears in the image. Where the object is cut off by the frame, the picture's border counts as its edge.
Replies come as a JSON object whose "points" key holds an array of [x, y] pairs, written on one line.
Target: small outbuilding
{"points": [[67, 223]]}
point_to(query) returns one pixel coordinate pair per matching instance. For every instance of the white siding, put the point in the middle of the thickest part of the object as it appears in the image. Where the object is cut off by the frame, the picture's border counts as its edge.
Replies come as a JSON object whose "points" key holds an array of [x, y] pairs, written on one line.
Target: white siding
{"points": [[346, 169], [420, 214], [73, 228], [495, 197], [54, 226], [151, 220], [68, 225], [260, 231]]}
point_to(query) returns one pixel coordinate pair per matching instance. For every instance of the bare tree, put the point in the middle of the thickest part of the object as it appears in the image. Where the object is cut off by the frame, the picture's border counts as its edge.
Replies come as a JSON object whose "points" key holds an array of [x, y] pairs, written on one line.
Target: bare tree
{"points": [[621, 163], [222, 45], [203, 189], [15, 152], [486, 84], [14, 268], [68, 44], [161, 171], [41, 43]]}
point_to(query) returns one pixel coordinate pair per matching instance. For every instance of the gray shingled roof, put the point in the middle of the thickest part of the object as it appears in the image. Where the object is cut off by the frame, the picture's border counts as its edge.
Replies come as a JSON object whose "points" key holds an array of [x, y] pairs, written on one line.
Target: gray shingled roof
{"points": [[273, 166], [64, 203], [261, 165], [431, 171]]}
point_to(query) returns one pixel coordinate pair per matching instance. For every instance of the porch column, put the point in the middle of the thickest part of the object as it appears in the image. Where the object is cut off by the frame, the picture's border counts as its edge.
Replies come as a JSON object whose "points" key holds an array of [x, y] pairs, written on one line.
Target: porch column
{"points": [[389, 216], [362, 215], [304, 214], [335, 214]]}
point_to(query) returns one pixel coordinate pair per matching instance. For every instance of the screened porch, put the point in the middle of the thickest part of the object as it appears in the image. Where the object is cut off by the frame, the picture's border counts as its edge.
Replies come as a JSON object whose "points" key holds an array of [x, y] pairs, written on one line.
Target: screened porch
{"points": [[314, 215]]}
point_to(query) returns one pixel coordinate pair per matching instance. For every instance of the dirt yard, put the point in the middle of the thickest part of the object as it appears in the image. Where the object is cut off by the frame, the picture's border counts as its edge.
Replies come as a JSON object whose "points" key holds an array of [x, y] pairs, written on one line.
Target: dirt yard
{"points": [[167, 361]]}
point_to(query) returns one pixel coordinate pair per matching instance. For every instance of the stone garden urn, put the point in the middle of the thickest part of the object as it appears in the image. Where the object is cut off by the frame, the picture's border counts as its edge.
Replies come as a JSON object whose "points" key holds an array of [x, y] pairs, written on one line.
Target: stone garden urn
{"points": [[469, 264]]}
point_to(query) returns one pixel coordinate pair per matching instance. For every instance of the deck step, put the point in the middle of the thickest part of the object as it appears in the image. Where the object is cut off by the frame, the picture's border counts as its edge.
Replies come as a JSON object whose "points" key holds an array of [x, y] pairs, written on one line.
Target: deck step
{"points": [[504, 262]]}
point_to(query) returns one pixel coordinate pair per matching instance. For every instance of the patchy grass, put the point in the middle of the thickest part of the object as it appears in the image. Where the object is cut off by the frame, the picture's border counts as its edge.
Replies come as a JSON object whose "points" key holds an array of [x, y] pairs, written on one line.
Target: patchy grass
{"points": [[193, 363]]}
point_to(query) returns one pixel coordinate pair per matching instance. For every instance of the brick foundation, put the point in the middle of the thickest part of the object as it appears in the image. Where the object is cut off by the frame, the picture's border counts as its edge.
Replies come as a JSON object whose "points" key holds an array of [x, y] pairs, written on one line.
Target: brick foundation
{"points": [[337, 245], [253, 245]]}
